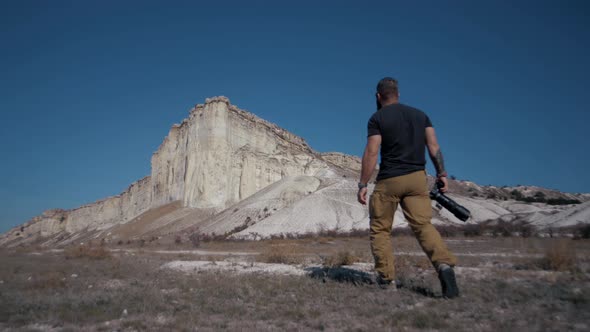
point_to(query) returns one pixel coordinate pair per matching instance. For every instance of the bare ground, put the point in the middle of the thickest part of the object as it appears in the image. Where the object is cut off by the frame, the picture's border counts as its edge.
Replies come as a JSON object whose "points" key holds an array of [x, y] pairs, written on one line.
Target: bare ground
{"points": [[506, 284]]}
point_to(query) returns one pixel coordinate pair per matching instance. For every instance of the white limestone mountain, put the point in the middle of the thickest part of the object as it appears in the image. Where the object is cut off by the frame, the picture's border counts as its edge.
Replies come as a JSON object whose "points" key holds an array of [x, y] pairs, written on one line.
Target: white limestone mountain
{"points": [[226, 171]]}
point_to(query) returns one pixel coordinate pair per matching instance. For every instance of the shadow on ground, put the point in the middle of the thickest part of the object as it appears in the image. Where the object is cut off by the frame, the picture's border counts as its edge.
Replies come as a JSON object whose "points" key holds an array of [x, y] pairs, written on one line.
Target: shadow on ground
{"points": [[416, 287], [358, 278], [340, 274]]}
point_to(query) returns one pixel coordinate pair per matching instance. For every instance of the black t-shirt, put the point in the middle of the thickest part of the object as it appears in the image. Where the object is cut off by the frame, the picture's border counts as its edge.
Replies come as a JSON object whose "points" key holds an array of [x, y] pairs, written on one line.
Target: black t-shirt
{"points": [[403, 139]]}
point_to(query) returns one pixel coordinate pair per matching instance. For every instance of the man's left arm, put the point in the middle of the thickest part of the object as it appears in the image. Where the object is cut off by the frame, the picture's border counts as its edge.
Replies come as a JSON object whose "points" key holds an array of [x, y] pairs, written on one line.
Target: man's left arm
{"points": [[368, 165]]}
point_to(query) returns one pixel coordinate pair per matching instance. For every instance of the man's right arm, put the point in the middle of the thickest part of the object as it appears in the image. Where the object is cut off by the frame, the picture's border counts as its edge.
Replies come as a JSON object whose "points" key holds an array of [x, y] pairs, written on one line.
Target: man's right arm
{"points": [[436, 157]]}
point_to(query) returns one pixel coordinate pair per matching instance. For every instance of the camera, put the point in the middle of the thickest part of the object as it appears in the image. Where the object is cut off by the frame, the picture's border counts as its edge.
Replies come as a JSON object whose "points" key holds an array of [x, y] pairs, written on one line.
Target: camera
{"points": [[457, 210]]}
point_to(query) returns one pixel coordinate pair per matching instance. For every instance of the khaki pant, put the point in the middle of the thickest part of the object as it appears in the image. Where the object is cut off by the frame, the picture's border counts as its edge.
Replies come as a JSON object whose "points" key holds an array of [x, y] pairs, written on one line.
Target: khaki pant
{"points": [[411, 191]]}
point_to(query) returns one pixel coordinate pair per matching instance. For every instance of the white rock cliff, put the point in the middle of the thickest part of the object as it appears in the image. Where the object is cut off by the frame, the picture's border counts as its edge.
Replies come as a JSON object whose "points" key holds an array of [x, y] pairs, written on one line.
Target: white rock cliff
{"points": [[216, 157]]}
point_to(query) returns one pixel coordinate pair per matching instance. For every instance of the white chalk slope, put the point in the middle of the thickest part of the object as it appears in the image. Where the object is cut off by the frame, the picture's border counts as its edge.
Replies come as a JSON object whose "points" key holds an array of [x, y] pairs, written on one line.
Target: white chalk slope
{"points": [[570, 217]]}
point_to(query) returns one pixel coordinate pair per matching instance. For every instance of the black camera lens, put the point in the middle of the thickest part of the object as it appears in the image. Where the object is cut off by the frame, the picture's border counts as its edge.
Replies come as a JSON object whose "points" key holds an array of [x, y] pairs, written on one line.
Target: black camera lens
{"points": [[456, 209]]}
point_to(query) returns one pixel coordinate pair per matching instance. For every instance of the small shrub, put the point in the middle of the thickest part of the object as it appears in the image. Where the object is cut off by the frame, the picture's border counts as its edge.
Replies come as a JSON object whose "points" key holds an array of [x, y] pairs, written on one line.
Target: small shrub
{"points": [[501, 228], [195, 239], [178, 239], [525, 230], [559, 257], [472, 230], [581, 231], [357, 232], [49, 280], [516, 194], [447, 230], [280, 255], [339, 259]]}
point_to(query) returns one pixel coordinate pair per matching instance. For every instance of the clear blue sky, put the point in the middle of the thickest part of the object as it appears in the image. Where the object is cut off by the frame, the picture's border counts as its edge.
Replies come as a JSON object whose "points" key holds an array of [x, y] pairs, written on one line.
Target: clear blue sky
{"points": [[89, 89]]}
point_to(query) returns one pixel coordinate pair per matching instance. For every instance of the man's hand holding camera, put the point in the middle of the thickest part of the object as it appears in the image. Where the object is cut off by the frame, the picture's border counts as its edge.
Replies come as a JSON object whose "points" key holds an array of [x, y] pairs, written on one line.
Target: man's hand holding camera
{"points": [[443, 179]]}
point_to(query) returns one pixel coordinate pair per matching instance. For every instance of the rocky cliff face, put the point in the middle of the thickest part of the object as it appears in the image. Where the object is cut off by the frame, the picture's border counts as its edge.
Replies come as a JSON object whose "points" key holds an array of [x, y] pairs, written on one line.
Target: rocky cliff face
{"points": [[216, 157], [221, 155]]}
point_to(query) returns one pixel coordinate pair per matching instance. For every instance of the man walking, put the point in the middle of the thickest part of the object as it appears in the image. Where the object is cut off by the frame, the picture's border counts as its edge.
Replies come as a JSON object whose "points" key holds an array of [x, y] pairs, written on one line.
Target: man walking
{"points": [[401, 133]]}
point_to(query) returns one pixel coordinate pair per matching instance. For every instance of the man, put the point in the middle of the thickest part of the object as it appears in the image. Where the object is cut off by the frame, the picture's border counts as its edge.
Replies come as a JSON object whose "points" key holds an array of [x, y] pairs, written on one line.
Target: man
{"points": [[402, 132]]}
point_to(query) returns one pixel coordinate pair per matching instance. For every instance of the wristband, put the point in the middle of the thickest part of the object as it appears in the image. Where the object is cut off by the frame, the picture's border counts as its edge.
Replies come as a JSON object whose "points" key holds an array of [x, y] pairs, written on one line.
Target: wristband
{"points": [[362, 185]]}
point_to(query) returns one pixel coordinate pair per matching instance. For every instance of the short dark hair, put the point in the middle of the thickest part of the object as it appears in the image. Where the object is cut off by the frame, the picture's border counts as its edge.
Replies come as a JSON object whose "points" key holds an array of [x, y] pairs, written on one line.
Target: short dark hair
{"points": [[387, 87]]}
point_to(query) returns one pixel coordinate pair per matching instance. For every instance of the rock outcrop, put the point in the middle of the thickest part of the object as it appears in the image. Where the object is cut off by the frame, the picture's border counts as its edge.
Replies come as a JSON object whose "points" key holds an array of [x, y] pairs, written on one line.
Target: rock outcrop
{"points": [[213, 159], [221, 155]]}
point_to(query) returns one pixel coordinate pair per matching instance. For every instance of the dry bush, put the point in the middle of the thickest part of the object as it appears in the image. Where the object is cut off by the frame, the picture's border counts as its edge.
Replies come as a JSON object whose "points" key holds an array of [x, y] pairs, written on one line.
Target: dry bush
{"points": [[323, 233], [559, 257], [178, 239], [448, 230], [195, 239], [473, 230], [86, 251], [325, 240], [339, 259], [281, 254], [581, 231], [49, 280]]}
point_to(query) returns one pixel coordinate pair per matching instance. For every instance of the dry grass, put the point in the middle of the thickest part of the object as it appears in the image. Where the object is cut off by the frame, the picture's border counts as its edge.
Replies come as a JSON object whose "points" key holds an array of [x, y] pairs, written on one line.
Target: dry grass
{"points": [[87, 251], [48, 280], [560, 256], [281, 254], [341, 258], [41, 290]]}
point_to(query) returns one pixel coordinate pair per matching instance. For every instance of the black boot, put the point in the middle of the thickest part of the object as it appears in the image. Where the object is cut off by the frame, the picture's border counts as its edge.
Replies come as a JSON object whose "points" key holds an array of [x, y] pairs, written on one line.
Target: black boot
{"points": [[446, 275]]}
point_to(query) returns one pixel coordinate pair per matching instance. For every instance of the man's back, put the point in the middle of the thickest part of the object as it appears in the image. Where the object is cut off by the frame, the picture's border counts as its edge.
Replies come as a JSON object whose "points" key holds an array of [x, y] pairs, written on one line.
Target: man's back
{"points": [[402, 129]]}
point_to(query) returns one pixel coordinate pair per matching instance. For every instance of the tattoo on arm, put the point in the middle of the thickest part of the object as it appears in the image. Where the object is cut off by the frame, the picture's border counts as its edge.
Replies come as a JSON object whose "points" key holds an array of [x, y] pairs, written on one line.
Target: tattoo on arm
{"points": [[438, 162]]}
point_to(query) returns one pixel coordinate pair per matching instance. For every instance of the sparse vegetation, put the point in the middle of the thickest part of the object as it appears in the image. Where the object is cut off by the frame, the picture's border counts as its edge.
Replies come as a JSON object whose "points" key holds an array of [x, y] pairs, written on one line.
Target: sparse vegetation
{"points": [[195, 239], [341, 258], [562, 201], [448, 230], [507, 229], [281, 254], [470, 230], [132, 292], [540, 197], [582, 231], [325, 233], [559, 257], [86, 251]]}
